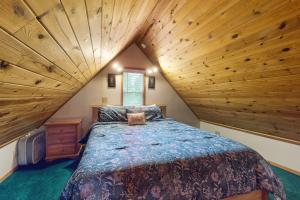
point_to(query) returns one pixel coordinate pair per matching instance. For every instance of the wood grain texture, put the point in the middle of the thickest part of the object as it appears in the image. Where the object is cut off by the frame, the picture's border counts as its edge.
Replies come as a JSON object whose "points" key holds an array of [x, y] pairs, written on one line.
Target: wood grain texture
{"points": [[62, 138], [254, 195], [233, 62], [55, 20], [51, 49]]}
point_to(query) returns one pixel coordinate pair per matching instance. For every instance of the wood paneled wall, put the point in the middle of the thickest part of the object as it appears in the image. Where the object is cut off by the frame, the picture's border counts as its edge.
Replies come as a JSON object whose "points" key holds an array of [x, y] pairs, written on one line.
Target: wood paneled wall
{"points": [[234, 62], [50, 49]]}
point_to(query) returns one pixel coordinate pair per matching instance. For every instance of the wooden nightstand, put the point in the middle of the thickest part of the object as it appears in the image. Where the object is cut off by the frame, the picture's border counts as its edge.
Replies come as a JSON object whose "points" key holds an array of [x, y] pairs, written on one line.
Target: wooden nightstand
{"points": [[62, 138]]}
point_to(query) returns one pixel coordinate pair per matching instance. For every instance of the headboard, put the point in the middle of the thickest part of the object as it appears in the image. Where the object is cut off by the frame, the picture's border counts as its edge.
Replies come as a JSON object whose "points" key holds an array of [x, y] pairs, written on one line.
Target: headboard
{"points": [[163, 109]]}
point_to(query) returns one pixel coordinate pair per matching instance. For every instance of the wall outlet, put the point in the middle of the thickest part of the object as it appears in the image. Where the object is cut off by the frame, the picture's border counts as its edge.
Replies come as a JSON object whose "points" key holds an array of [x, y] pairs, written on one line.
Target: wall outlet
{"points": [[104, 100]]}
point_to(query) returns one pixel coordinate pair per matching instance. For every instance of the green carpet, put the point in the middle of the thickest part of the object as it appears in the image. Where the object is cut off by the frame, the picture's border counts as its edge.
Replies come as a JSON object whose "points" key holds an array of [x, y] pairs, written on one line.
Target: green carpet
{"points": [[46, 181], [39, 182], [291, 183]]}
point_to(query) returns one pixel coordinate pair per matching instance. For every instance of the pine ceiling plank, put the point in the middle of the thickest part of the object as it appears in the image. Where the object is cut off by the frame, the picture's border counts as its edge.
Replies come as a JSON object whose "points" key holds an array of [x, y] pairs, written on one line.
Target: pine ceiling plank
{"points": [[137, 18], [211, 9], [254, 105], [233, 62], [77, 14], [267, 62], [265, 128], [291, 102], [24, 122], [16, 75], [190, 86], [16, 12], [205, 22], [270, 83], [140, 13], [172, 14], [240, 93], [240, 77], [15, 128], [196, 21], [233, 91], [151, 19], [15, 52], [42, 7], [122, 10], [264, 123], [16, 133], [120, 31], [14, 112], [239, 30], [24, 118], [94, 12], [137, 12], [54, 48], [107, 17], [267, 59], [271, 48], [265, 37], [35, 36], [13, 102], [8, 90], [177, 14], [263, 119], [54, 18], [119, 8], [15, 118]]}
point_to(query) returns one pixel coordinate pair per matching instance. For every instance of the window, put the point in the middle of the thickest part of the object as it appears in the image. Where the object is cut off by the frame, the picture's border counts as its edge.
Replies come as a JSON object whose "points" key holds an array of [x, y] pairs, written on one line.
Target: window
{"points": [[133, 89]]}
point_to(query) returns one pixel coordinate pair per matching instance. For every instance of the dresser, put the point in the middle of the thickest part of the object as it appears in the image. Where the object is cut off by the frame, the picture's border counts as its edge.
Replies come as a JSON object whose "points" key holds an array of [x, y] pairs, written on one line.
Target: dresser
{"points": [[62, 138]]}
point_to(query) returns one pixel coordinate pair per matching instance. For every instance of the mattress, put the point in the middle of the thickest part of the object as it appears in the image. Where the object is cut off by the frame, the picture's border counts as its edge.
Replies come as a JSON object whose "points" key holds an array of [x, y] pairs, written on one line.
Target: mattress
{"points": [[165, 159]]}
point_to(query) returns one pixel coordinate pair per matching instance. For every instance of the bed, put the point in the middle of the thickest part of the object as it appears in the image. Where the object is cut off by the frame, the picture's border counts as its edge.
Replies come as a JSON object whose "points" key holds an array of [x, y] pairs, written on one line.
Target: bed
{"points": [[165, 159]]}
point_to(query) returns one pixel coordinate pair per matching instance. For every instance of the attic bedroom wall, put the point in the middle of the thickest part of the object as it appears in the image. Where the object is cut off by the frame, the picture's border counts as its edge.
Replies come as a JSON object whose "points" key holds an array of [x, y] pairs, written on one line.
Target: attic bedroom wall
{"points": [[92, 93], [280, 156]]}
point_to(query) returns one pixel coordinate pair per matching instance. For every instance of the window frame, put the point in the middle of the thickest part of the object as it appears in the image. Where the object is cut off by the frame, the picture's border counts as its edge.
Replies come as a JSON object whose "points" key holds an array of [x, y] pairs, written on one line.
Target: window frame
{"points": [[133, 70]]}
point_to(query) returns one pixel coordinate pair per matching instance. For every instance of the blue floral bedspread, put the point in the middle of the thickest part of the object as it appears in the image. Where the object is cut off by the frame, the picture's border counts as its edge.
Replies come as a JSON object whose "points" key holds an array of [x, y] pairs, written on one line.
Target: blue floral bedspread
{"points": [[166, 159]]}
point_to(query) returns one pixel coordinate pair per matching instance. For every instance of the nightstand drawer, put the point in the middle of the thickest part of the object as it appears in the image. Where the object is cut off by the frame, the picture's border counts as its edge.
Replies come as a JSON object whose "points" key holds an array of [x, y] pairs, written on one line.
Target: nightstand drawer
{"points": [[63, 138], [62, 130], [59, 149]]}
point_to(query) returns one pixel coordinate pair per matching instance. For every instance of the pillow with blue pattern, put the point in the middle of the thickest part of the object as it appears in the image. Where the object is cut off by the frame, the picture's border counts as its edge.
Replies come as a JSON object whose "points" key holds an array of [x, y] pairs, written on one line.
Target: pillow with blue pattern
{"points": [[152, 112], [112, 114]]}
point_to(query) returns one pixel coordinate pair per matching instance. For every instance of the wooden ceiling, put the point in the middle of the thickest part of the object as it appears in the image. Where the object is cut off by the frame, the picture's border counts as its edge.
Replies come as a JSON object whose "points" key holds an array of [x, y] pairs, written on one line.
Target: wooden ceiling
{"points": [[50, 49], [234, 62]]}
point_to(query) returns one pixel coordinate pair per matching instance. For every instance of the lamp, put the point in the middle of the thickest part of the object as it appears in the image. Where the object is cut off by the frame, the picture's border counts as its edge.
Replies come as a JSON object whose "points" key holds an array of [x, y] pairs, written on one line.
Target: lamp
{"points": [[149, 71], [152, 70], [117, 67]]}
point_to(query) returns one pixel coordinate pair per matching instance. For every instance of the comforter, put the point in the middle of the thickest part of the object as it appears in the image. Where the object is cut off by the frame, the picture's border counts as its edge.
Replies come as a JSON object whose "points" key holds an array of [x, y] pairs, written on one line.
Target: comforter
{"points": [[165, 159]]}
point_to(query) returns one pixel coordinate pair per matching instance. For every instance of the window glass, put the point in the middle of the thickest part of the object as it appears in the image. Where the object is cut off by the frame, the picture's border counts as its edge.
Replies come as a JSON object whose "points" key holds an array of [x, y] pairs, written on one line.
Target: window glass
{"points": [[133, 89]]}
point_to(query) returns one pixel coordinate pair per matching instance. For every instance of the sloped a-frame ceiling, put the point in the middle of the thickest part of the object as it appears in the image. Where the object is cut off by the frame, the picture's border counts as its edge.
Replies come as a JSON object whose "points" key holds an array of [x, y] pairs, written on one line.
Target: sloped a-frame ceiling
{"points": [[50, 49], [233, 62]]}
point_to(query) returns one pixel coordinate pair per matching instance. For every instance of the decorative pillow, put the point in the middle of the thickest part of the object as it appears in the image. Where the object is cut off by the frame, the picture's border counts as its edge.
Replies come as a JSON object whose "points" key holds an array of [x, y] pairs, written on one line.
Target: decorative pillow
{"points": [[136, 118], [152, 112], [112, 114]]}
